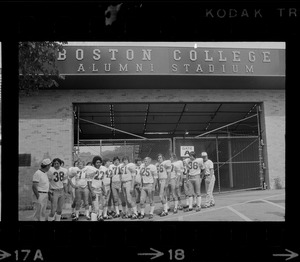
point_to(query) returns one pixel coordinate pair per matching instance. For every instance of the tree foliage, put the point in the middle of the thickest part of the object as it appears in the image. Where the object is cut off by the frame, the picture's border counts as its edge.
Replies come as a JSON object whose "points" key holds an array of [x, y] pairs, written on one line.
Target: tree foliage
{"points": [[37, 65]]}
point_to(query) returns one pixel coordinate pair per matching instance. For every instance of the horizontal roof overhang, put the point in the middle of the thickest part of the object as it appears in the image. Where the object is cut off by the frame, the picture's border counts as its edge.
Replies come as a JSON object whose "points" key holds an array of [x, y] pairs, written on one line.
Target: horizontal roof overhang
{"points": [[171, 82]]}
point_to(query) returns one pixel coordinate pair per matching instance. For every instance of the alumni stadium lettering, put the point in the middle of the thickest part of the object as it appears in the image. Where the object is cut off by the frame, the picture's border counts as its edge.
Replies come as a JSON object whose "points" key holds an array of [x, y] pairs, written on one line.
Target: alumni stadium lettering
{"points": [[164, 60]]}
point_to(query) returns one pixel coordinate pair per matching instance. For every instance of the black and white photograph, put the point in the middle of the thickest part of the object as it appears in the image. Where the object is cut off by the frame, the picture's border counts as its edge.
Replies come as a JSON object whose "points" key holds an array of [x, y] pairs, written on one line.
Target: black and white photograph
{"points": [[152, 131]]}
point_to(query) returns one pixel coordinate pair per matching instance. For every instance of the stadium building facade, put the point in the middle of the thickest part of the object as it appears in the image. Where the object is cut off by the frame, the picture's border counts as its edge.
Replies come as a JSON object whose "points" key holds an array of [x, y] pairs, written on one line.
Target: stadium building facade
{"points": [[224, 98]]}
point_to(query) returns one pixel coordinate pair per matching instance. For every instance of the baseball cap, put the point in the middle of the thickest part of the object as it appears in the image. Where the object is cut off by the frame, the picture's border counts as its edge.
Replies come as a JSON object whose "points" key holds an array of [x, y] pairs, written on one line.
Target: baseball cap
{"points": [[46, 162], [203, 154]]}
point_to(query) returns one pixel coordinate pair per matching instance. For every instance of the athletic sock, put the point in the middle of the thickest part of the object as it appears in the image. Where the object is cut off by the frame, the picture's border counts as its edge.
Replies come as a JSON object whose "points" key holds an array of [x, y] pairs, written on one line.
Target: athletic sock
{"points": [[124, 209], [117, 210], [100, 212], [191, 202], [77, 213], [152, 209], [57, 217], [199, 201], [93, 216], [165, 207], [134, 210], [143, 211], [51, 218], [176, 204], [105, 211], [187, 201]]}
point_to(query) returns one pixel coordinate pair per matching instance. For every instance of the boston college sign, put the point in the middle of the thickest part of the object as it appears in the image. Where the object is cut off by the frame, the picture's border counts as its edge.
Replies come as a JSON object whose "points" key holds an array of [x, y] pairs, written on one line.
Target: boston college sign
{"points": [[169, 60]]}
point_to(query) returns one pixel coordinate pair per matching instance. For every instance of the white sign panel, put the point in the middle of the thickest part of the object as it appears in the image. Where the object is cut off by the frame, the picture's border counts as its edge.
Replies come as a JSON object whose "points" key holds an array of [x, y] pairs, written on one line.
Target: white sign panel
{"points": [[184, 150]]}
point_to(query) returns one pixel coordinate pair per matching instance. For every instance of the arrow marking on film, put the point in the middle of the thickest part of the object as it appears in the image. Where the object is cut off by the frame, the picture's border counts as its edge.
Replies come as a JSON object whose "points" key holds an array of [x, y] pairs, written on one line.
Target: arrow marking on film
{"points": [[156, 254], [4, 254], [290, 255]]}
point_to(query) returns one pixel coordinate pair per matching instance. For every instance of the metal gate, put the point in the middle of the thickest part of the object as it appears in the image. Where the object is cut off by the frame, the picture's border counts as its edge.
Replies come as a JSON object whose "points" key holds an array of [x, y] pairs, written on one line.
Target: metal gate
{"points": [[236, 159], [133, 148]]}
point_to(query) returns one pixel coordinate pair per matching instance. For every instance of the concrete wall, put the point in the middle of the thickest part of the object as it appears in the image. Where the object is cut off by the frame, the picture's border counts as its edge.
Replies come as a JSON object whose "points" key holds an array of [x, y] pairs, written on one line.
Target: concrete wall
{"points": [[46, 122]]}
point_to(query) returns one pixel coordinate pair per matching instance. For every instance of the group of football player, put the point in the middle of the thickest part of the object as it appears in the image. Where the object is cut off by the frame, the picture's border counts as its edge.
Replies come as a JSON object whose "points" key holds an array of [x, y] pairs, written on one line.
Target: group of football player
{"points": [[102, 186]]}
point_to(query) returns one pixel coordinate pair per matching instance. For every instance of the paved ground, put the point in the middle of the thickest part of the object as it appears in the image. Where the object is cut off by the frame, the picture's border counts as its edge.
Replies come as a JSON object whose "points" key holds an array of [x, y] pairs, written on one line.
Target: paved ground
{"points": [[255, 205]]}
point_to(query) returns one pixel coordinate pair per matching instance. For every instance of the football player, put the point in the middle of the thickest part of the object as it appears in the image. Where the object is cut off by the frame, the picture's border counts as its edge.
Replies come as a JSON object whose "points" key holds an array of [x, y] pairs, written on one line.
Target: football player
{"points": [[210, 179], [106, 187], [138, 184], [164, 173], [116, 188], [149, 177], [185, 182], [195, 166], [81, 189], [58, 188], [71, 172], [175, 180], [95, 187], [127, 178]]}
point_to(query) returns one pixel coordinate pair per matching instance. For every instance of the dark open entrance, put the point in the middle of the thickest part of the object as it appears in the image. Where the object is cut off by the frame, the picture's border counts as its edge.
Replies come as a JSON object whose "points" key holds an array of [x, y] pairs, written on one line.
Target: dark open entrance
{"points": [[228, 132]]}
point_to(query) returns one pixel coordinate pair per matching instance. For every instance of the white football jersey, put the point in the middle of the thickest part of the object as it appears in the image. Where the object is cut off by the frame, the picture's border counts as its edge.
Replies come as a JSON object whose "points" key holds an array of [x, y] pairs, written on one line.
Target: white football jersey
{"points": [[81, 178], [95, 176], [138, 178], [208, 164], [195, 166], [176, 168], [57, 177], [148, 173], [106, 175], [127, 171], [185, 168], [163, 168], [115, 173]]}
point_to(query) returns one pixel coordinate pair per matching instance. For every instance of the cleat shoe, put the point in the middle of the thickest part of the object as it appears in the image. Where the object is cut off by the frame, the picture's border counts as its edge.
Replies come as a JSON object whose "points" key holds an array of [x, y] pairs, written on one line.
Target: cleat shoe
{"points": [[116, 215], [150, 216], [175, 211], [75, 218], [194, 205], [107, 217], [73, 215], [124, 215], [188, 209], [139, 213], [81, 214], [162, 214], [212, 204], [129, 216], [206, 206], [198, 209], [88, 217], [134, 216], [141, 216], [100, 218], [180, 207]]}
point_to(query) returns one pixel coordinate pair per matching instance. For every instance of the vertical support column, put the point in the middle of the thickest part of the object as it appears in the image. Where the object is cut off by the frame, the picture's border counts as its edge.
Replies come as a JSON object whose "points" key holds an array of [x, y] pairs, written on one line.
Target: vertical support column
{"points": [[125, 147], [218, 168], [78, 116], [100, 147], [229, 162], [260, 152]]}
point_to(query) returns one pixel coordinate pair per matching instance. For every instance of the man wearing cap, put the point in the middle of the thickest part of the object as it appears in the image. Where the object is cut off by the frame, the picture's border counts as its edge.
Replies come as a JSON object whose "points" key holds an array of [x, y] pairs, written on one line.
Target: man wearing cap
{"points": [[210, 179], [40, 188]]}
